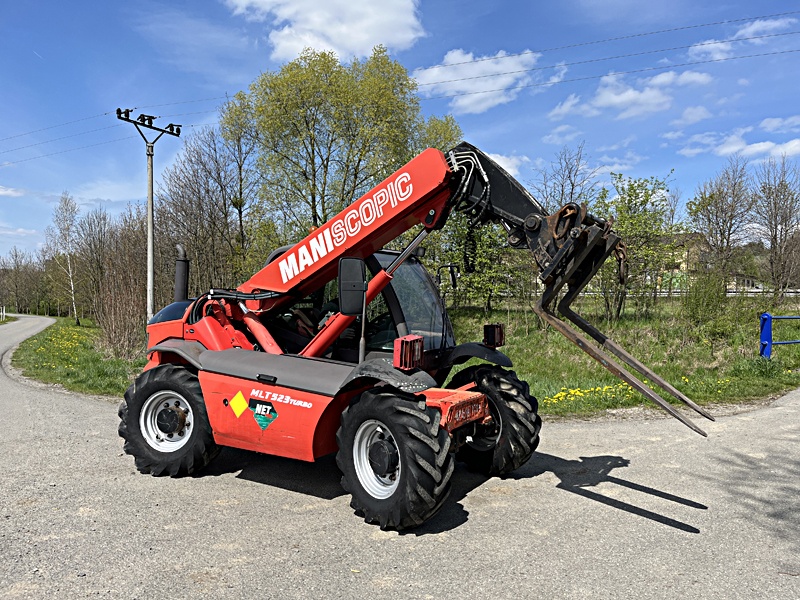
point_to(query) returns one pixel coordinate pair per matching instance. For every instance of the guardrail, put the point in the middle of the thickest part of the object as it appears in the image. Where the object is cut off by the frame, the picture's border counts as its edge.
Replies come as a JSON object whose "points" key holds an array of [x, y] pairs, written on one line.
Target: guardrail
{"points": [[766, 335]]}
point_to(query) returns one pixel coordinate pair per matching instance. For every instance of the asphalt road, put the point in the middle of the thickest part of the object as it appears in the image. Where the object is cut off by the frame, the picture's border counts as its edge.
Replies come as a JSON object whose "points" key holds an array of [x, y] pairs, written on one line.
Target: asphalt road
{"points": [[614, 509]]}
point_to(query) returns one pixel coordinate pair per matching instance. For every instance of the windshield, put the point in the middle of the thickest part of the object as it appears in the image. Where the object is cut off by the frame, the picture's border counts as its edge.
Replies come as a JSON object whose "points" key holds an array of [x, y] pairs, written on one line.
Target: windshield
{"points": [[420, 303]]}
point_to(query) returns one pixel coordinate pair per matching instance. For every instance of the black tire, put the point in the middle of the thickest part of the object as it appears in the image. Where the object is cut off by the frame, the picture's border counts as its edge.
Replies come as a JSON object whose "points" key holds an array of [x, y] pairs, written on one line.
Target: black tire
{"points": [[394, 458], [164, 423], [511, 439]]}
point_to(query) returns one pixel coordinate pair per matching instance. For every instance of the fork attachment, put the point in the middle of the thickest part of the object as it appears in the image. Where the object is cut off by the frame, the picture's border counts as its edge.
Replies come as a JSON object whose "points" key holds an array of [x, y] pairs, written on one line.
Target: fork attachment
{"points": [[570, 247]]}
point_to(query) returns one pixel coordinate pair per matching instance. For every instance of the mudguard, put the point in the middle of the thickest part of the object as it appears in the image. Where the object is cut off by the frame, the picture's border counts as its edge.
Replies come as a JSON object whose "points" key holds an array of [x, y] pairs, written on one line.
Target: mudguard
{"points": [[190, 351], [381, 369], [463, 352]]}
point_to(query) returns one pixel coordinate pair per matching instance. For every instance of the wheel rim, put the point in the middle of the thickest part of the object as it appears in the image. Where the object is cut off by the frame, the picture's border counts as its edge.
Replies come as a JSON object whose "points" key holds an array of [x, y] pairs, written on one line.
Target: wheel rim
{"points": [[369, 434], [166, 421], [487, 442]]}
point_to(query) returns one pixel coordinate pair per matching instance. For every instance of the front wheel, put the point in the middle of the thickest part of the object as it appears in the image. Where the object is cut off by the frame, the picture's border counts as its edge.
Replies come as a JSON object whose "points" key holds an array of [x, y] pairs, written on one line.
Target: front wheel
{"points": [[394, 458], [509, 440], [164, 423]]}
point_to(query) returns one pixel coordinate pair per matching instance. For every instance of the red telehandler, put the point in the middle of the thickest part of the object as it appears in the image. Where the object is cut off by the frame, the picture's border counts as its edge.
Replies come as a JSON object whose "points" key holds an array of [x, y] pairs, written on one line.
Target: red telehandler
{"points": [[337, 345]]}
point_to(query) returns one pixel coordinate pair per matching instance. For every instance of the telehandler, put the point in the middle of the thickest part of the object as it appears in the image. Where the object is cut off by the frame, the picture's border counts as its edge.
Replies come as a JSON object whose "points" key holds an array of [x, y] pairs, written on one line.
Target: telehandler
{"points": [[338, 345]]}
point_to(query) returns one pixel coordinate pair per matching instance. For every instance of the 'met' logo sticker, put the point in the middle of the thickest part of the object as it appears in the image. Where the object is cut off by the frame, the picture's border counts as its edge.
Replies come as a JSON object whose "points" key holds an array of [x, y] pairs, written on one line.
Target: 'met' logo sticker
{"points": [[263, 412]]}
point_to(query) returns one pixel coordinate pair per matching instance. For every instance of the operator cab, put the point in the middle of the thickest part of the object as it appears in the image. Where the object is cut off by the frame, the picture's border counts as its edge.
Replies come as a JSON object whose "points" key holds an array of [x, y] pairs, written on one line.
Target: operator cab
{"points": [[410, 304]]}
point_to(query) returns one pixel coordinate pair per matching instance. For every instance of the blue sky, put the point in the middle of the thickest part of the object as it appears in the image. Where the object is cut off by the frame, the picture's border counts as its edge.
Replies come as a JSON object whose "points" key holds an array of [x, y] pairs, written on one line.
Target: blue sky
{"points": [[523, 79]]}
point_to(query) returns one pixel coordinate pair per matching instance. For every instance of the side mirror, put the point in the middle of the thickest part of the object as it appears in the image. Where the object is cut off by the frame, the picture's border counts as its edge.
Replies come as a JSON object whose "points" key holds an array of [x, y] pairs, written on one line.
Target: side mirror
{"points": [[453, 271], [453, 276], [352, 286]]}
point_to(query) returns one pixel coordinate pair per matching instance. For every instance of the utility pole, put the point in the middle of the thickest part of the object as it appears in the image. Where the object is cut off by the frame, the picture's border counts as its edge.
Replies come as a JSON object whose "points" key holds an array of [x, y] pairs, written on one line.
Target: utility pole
{"points": [[146, 121]]}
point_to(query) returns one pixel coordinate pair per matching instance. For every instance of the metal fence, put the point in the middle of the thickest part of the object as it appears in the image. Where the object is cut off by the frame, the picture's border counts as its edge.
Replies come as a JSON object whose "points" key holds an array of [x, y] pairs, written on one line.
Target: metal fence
{"points": [[766, 334]]}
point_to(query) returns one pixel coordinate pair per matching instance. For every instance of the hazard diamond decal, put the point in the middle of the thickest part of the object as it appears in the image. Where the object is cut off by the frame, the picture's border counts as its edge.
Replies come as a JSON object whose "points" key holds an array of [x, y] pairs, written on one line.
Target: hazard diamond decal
{"points": [[238, 404]]}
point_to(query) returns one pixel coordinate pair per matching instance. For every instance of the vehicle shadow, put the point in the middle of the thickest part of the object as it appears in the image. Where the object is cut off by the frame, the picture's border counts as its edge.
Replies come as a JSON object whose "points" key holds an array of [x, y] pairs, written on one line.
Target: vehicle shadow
{"points": [[575, 476], [320, 479]]}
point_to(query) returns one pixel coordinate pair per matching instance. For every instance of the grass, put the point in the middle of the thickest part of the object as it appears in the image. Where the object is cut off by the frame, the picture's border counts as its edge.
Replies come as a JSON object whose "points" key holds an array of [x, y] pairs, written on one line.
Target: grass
{"points": [[65, 354], [713, 362], [8, 320]]}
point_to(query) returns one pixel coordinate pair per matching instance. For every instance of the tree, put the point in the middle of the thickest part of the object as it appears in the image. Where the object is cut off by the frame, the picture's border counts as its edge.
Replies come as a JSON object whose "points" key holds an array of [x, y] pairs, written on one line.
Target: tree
{"points": [[721, 211], [22, 279], [205, 203], [94, 233], [327, 132], [776, 216], [480, 253], [61, 245], [121, 308], [643, 218], [567, 179]]}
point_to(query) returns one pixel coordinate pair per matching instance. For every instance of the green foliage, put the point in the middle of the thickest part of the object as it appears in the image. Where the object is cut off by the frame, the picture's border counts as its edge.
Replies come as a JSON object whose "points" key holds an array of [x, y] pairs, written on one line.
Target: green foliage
{"points": [[705, 298], [566, 381], [65, 354], [642, 217], [481, 256], [327, 132], [721, 211]]}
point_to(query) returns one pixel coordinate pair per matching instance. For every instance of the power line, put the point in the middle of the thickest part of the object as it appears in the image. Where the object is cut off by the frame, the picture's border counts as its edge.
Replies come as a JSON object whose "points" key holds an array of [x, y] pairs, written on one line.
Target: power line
{"points": [[614, 39], [68, 150], [631, 72], [105, 114], [185, 102], [595, 60], [568, 46], [11, 137], [58, 139], [5, 164], [519, 87], [544, 84], [564, 47]]}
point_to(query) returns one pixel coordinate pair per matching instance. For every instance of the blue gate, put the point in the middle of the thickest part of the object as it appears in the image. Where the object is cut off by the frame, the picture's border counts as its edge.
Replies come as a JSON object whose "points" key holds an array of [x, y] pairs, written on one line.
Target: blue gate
{"points": [[766, 335]]}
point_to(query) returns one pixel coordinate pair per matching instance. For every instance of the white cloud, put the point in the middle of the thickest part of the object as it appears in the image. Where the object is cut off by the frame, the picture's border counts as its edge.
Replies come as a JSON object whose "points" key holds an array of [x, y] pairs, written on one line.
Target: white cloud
{"points": [[10, 192], [109, 190], [610, 164], [684, 78], [563, 134], [572, 106], [735, 143], [672, 135], [691, 151], [651, 96], [763, 27], [691, 115], [557, 77], [18, 232], [790, 148], [348, 27], [511, 164], [778, 125], [614, 94], [619, 145], [479, 82], [711, 50], [722, 49], [700, 143]]}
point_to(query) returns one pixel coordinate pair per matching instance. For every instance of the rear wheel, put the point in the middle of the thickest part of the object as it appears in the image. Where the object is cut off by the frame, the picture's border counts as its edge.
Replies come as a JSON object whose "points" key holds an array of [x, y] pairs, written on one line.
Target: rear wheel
{"points": [[394, 458], [164, 423], [510, 439]]}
